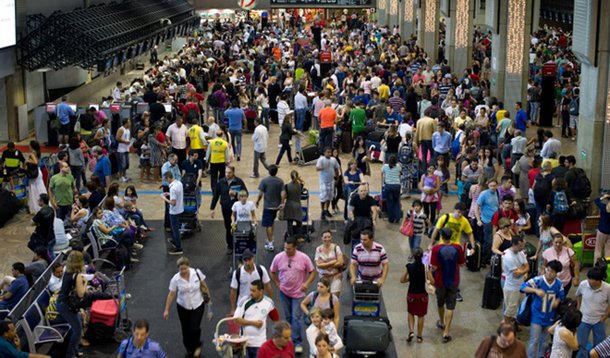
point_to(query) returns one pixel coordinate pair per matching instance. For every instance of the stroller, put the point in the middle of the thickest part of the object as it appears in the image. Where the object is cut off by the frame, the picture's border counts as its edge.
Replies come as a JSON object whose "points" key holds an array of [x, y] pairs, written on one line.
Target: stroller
{"points": [[231, 343], [189, 223]]}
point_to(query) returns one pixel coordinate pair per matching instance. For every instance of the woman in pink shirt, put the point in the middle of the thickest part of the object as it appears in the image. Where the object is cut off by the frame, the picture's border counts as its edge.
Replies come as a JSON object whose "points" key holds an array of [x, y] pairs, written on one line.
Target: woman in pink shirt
{"points": [[565, 255]]}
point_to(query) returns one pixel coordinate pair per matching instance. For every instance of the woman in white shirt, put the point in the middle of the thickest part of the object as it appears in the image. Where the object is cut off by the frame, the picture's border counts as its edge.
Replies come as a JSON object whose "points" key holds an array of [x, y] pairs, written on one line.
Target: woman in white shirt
{"points": [[186, 287], [243, 210], [315, 329]]}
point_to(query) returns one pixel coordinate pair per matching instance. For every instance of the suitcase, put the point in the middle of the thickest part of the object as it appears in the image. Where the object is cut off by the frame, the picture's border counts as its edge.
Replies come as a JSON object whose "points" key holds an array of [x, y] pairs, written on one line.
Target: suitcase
{"points": [[473, 262], [310, 153], [366, 334], [9, 206], [495, 266], [346, 142], [531, 210], [533, 272], [492, 292], [114, 163], [104, 311], [375, 136]]}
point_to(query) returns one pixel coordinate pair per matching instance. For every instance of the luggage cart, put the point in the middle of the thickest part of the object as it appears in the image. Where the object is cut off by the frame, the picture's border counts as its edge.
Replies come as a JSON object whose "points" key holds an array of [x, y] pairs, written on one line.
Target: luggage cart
{"points": [[117, 308], [366, 299], [189, 222], [244, 237]]}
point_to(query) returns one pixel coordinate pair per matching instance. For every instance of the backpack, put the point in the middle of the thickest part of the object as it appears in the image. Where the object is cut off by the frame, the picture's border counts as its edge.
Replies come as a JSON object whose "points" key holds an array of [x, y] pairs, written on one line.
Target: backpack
{"points": [[192, 113], [445, 219], [405, 154], [542, 188], [574, 106], [560, 203], [259, 269], [581, 187], [212, 100], [455, 145]]}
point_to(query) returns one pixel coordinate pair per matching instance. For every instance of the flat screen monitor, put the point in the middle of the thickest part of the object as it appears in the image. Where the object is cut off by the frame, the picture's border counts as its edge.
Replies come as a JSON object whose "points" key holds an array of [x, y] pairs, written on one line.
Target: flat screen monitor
{"points": [[73, 106], [8, 27], [51, 108], [168, 107]]}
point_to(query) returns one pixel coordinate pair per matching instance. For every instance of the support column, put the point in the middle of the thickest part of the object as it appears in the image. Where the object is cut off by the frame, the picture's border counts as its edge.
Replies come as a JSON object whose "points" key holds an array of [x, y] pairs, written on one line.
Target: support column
{"points": [[510, 56], [536, 15], [408, 19], [429, 20], [593, 140], [392, 13], [459, 34], [382, 17]]}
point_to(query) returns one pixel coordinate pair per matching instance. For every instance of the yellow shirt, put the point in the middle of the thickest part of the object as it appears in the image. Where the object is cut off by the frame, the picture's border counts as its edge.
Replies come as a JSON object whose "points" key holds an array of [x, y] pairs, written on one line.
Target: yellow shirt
{"points": [[218, 148], [500, 115], [554, 162], [194, 134], [384, 91], [457, 226]]}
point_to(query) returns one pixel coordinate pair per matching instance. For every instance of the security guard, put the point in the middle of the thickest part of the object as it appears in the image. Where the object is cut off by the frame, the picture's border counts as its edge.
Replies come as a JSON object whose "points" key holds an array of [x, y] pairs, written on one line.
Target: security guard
{"points": [[218, 157], [197, 142]]}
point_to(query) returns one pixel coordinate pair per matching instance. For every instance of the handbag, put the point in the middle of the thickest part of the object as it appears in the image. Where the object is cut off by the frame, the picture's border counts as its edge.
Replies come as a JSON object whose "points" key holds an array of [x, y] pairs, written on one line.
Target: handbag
{"points": [[74, 302], [205, 292], [345, 261], [516, 169], [430, 288], [524, 315], [407, 226]]}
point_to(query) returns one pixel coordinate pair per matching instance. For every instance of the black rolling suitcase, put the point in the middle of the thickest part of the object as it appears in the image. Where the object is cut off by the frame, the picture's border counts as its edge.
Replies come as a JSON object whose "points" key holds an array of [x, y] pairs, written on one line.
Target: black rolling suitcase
{"points": [[309, 153], [492, 291], [366, 334], [531, 210], [473, 262], [9, 206]]}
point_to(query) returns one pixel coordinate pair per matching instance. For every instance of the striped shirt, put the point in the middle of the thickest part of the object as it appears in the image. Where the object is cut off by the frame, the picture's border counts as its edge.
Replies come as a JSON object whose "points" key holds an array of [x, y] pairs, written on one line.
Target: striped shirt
{"points": [[444, 89], [370, 263], [396, 103], [391, 175], [419, 221]]}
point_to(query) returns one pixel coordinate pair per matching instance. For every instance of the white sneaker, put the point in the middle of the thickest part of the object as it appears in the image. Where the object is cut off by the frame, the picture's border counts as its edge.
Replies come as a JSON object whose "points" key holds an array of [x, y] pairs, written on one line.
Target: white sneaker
{"points": [[138, 246], [269, 247], [298, 349], [123, 179]]}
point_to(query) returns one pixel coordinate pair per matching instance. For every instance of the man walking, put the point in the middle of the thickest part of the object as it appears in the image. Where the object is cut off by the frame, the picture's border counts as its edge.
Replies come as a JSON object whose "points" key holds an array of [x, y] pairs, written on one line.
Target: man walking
{"points": [[218, 158], [328, 167], [260, 137], [300, 109], [280, 345], [177, 133], [123, 137], [243, 278], [423, 137], [328, 116], [441, 143], [103, 168], [139, 345], [64, 114], [292, 271], [176, 207], [271, 188], [252, 313], [445, 261], [61, 191], [369, 260], [593, 297], [226, 191], [484, 210], [237, 121]]}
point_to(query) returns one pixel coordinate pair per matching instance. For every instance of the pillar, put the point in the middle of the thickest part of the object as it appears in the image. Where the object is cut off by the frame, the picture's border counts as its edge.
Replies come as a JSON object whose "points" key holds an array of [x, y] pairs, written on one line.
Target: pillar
{"points": [[535, 15], [593, 139], [382, 16], [428, 34], [510, 51], [392, 13], [408, 19], [459, 34]]}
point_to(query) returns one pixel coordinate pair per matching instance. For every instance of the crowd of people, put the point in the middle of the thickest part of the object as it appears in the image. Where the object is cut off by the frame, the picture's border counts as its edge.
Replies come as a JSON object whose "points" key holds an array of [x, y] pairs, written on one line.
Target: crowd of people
{"points": [[380, 100]]}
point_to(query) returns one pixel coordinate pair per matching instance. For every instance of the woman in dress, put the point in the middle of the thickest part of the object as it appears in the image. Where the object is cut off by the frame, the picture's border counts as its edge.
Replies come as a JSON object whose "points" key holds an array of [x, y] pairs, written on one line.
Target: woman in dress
{"points": [[330, 262], [291, 203], [416, 274], [430, 185], [186, 287], [35, 186]]}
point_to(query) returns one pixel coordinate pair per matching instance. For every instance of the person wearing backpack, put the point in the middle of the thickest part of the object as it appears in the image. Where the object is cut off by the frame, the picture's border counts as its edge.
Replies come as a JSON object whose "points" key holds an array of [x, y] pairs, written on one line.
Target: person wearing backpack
{"points": [[559, 203], [579, 185], [243, 277], [542, 187]]}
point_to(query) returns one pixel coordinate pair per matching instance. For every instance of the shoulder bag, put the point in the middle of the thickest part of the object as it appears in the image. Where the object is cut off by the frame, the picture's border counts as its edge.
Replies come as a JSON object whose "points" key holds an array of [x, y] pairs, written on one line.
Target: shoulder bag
{"points": [[74, 302], [430, 288], [205, 292], [407, 226]]}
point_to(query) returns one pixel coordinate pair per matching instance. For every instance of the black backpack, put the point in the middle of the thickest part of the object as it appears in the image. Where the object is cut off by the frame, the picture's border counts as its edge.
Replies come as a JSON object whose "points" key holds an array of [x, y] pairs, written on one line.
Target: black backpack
{"points": [[212, 100], [581, 187], [259, 269], [192, 114], [542, 188]]}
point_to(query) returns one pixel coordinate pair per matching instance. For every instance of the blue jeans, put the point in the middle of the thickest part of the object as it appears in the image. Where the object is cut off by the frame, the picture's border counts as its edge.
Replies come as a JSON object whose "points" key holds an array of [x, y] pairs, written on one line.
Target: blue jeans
{"points": [[236, 142], [219, 115], [300, 119], [392, 192], [537, 343], [414, 241], [265, 117], [487, 241], [74, 320], [584, 331], [252, 352], [533, 115], [293, 315], [326, 139], [175, 225]]}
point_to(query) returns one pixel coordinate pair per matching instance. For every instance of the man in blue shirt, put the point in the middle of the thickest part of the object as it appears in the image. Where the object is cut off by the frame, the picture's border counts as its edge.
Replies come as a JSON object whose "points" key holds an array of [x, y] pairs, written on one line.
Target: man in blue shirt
{"points": [[103, 168], [64, 113], [391, 116], [520, 118], [441, 143], [237, 120], [17, 289], [547, 293], [9, 343], [485, 208], [139, 345]]}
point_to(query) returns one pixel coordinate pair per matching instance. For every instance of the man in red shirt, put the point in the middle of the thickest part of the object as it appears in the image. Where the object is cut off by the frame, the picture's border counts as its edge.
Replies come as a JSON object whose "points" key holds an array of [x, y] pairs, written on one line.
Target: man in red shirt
{"points": [[506, 211], [279, 345]]}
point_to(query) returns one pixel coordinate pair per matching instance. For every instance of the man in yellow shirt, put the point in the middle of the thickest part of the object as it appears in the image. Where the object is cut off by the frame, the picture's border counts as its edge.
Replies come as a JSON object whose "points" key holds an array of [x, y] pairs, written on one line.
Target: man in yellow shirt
{"points": [[196, 136], [384, 90], [218, 157], [457, 223]]}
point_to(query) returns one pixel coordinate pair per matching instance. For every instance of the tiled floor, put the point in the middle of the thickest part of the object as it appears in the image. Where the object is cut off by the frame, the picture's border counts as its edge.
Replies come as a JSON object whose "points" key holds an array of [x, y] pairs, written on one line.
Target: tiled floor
{"points": [[471, 323]]}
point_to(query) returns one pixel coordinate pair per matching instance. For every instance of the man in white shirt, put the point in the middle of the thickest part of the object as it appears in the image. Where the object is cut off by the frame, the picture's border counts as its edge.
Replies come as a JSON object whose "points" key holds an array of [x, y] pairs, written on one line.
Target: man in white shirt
{"points": [[243, 277], [260, 137], [514, 268], [176, 207], [593, 297], [300, 109], [116, 92], [550, 146], [252, 313], [176, 134]]}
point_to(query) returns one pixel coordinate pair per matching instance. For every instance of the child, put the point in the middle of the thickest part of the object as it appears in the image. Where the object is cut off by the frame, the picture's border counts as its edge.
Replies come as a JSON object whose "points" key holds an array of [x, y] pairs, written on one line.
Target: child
{"points": [[443, 172], [420, 222], [243, 210], [328, 317], [145, 159], [131, 210]]}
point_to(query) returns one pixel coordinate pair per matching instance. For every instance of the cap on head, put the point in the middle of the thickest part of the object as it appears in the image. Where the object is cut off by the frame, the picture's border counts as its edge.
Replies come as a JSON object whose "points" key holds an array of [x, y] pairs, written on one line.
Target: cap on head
{"points": [[247, 254]]}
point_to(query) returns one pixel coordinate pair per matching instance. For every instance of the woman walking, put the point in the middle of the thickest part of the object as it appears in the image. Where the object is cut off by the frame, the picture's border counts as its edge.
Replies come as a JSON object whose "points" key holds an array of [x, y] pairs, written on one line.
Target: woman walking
{"points": [[329, 262], [188, 288], [390, 174], [430, 185], [35, 185], [416, 274], [291, 203], [72, 285], [285, 137]]}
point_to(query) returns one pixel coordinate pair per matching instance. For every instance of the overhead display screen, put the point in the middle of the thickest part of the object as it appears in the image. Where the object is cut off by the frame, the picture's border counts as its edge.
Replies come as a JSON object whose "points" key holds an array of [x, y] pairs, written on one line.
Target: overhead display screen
{"points": [[7, 23], [322, 3]]}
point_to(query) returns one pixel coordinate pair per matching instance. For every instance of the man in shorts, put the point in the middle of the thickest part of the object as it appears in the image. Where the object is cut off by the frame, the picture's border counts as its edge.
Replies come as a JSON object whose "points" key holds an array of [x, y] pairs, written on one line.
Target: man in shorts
{"points": [[445, 262], [271, 188], [328, 167], [514, 268]]}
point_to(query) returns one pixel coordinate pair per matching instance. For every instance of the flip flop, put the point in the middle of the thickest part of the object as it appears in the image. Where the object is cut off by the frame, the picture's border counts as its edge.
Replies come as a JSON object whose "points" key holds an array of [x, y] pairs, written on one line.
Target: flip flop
{"points": [[410, 338], [446, 339], [439, 325], [420, 339]]}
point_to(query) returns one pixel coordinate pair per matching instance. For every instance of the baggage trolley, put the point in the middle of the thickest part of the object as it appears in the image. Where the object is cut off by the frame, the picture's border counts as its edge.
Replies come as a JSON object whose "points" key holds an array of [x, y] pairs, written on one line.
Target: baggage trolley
{"points": [[366, 299], [244, 237], [232, 343], [122, 323], [189, 222]]}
